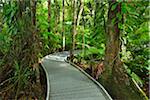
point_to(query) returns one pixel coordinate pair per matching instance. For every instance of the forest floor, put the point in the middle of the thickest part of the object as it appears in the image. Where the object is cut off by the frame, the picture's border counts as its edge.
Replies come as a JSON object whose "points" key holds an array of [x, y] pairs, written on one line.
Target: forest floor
{"points": [[30, 91]]}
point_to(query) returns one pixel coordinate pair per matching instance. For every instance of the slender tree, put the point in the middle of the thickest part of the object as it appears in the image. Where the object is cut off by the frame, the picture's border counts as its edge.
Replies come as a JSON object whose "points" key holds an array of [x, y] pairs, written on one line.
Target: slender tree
{"points": [[36, 42], [49, 14], [80, 12], [1, 11], [57, 15], [34, 12], [63, 24], [74, 31], [83, 24], [74, 24], [114, 78]]}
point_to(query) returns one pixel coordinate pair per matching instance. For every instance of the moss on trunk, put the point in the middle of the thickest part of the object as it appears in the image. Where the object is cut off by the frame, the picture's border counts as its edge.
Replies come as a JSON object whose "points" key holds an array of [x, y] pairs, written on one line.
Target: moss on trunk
{"points": [[120, 86]]}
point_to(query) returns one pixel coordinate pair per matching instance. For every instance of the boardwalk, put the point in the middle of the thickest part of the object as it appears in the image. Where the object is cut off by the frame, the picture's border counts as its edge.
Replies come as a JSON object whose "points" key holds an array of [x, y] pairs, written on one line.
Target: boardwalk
{"points": [[68, 83]]}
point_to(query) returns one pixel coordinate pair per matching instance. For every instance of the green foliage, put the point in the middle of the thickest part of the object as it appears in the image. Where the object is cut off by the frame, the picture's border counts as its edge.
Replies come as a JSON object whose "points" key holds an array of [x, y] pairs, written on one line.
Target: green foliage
{"points": [[21, 76], [136, 40], [16, 34], [138, 46], [18, 46], [50, 40]]}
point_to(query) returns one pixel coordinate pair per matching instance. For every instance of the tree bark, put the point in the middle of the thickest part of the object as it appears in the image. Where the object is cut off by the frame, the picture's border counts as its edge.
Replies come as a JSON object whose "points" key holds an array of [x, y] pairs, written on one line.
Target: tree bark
{"points": [[34, 12], [78, 22], [57, 15], [36, 42], [83, 24], [114, 78], [74, 28], [80, 12], [49, 15], [63, 24]]}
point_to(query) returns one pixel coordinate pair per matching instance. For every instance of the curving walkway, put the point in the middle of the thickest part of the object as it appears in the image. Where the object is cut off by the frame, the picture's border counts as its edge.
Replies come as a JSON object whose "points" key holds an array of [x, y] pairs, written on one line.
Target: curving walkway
{"points": [[68, 83]]}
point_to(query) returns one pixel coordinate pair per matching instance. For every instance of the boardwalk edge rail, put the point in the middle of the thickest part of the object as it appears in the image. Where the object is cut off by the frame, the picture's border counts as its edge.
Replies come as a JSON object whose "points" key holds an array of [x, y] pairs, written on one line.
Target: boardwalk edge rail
{"points": [[48, 84]]}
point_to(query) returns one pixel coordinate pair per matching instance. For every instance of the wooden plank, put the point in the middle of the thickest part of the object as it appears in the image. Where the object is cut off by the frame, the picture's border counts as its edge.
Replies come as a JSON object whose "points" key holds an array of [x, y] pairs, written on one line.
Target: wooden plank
{"points": [[68, 83]]}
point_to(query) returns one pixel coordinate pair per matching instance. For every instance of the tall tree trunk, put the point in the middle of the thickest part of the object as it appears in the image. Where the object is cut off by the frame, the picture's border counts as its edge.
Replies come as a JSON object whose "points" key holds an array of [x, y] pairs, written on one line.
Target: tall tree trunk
{"points": [[83, 43], [1, 12], [114, 78], [74, 28], [57, 15], [78, 22], [80, 12], [49, 15], [83, 24], [34, 12], [63, 25], [36, 42]]}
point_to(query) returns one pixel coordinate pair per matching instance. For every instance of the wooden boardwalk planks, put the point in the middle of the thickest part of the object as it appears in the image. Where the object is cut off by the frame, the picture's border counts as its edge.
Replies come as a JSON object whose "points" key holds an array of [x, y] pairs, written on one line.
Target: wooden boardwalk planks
{"points": [[68, 83]]}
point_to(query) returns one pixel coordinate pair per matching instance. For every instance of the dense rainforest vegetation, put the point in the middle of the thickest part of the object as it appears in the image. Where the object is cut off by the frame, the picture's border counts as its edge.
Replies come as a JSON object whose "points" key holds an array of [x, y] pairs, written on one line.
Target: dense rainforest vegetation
{"points": [[113, 36]]}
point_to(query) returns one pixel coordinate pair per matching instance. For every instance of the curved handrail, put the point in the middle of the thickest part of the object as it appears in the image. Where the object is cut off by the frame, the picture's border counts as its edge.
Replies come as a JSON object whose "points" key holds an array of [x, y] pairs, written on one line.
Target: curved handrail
{"points": [[48, 83]]}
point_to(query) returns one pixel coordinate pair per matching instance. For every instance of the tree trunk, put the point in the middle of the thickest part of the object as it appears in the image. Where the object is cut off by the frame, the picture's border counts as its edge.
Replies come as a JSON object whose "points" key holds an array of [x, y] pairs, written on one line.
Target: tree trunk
{"points": [[57, 15], [78, 22], [114, 78], [34, 12], [36, 42], [83, 24], [80, 12], [63, 25], [74, 28], [49, 15]]}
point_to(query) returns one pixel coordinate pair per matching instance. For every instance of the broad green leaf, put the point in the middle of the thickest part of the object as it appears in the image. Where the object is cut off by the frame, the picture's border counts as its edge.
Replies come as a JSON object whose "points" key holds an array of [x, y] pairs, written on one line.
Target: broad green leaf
{"points": [[119, 16], [124, 8], [114, 6], [120, 25]]}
